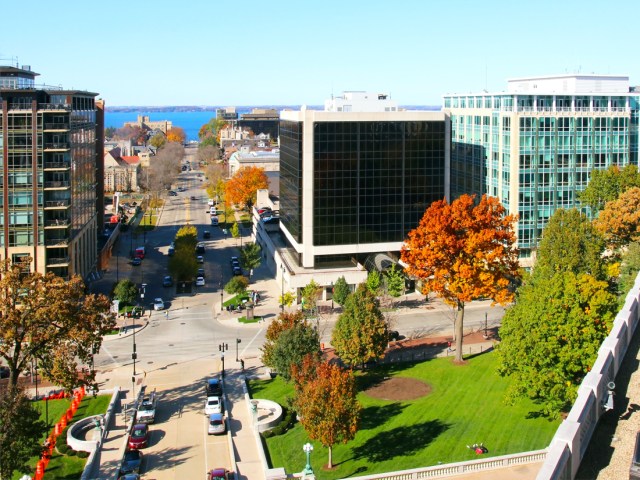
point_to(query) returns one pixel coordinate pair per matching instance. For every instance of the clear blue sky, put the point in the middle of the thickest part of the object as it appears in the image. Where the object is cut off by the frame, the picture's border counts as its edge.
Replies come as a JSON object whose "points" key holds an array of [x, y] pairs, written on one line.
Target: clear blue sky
{"points": [[224, 52]]}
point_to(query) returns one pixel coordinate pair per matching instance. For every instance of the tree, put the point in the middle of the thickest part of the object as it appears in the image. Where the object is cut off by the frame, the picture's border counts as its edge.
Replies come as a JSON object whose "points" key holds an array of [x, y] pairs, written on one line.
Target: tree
{"points": [[158, 141], [51, 320], [237, 285], [163, 168], [176, 135], [341, 291], [126, 291], [242, 188], [571, 243], [326, 401], [361, 333], [292, 345], [135, 133], [463, 251], [629, 268], [607, 185], [187, 237], [20, 432], [287, 299], [183, 264], [250, 257], [374, 282], [285, 321], [109, 132], [394, 280], [310, 295], [619, 222], [551, 336], [209, 155], [235, 230], [209, 133]]}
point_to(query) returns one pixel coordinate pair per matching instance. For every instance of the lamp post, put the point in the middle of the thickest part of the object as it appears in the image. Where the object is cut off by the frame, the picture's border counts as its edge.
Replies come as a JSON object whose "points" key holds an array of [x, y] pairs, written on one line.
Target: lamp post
{"points": [[223, 347], [282, 287], [485, 325], [237, 342], [308, 448], [221, 293]]}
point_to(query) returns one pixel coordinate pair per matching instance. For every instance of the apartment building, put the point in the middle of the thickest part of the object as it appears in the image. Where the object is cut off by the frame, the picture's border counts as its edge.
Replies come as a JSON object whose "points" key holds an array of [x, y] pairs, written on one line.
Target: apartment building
{"points": [[535, 145], [52, 165]]}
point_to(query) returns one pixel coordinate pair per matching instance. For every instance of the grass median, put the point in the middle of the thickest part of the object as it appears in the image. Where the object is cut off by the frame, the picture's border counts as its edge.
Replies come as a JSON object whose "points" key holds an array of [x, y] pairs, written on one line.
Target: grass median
{"points": [[465, 406]]}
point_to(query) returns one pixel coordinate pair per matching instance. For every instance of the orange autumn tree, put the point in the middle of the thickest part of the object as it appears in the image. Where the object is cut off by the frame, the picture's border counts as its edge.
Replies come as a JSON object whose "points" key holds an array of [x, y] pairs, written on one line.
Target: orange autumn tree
{"points": [[619, 222], [177, 135], [326, 402], [242, 188], [463, 251]]}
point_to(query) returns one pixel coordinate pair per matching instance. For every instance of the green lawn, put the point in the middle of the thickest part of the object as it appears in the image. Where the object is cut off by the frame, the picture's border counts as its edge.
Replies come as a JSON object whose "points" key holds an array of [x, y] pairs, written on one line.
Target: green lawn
{"points": [[64, 466], [465, 407]]}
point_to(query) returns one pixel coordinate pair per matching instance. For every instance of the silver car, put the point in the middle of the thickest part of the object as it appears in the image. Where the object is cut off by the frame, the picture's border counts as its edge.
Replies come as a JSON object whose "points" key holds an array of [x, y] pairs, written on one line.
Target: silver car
{"points": [[217, 425]]}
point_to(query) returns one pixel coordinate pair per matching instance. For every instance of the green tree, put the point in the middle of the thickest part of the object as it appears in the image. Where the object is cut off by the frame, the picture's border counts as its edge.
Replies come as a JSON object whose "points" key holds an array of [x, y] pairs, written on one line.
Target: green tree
{"points": [[341, 291], [463, 251], [326, 401], [361, 333], [374, 282], [629, 268], [187, 237], [52, 320], [209, 133], [126, 291], [570, 243], [292, 345], [250, 257], [607, 185], [284, 321], [20, 432], [551, 336], [237, 285], [310, 296], [287, 299], [109, 132], [394, 280], [235, 230], [159, 140], [183, 265]]}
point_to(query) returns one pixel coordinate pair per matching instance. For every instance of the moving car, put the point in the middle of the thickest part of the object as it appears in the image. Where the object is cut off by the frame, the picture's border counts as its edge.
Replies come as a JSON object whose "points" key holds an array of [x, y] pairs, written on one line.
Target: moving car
{"points": [[131, 462], [194, 198], [139, 437], [158, 304], [167, 281], [237, 271], [200, 248], [136, 261], [217, 424], [199, 281], [219, 474], [206, 234], [213, 405], [200, 259], [129, 476], [215, 221], [213, 387]]}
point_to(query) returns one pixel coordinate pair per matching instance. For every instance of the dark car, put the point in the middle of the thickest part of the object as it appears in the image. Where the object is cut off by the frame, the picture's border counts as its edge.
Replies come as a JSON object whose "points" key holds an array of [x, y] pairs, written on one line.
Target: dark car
{"points": [[172, 193], [206, 234], [167, 281], [218, 474], [136, 261], [237, 271], [4, 372], [139, 437], [194, 198], [131, 462], [200, 248], [200, 273], [213, 387], [129, 476]]}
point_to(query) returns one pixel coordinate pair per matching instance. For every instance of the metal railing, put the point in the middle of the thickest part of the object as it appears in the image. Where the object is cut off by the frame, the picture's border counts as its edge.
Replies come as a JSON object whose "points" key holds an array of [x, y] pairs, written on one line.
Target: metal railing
{"points": [[56, 126], [57, 146], [57, 261], [56, 242], [57, 164], [57, 203], [57, 184], [58, 222]]}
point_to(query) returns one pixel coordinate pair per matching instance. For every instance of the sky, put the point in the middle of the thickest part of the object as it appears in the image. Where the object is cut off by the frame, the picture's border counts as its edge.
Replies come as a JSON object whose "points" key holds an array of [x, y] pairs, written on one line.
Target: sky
{"points": [[294, 52]]}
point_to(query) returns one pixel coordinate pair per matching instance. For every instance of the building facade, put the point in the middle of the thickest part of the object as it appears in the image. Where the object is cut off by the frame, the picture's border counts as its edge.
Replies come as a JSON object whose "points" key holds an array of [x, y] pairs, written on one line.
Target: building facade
{"points": [[535, 146], [354, 183], [52, 155]]}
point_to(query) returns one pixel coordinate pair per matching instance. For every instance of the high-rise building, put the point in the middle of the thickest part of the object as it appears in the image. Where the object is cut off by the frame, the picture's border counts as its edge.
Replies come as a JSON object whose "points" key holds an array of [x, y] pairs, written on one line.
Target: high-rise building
{"points": [[356, 177], [51, 200], [535, 146]]}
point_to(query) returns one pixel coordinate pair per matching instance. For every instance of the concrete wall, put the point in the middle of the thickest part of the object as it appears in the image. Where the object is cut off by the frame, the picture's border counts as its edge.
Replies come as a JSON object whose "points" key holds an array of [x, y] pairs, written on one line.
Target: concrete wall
{"points": [[570, 442]]}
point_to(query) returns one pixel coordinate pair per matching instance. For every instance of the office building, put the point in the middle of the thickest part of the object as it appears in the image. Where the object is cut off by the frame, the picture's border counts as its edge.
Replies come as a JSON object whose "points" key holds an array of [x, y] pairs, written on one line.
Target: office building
{"points": [[535, 145], [52, 157], [355, 179]]}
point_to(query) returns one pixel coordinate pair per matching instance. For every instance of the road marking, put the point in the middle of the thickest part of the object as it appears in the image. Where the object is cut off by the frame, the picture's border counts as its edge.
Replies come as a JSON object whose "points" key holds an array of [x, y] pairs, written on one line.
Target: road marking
{"points": [[251, 341], [106, 350]]}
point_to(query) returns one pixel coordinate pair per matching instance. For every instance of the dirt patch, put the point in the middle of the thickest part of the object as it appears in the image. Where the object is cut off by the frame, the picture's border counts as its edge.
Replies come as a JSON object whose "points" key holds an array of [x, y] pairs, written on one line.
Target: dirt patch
{"points": [[399, 389]]}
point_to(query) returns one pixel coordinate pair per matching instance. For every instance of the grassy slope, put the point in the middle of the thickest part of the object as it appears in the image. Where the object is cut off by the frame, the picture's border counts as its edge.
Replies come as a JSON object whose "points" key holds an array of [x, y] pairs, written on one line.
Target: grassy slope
{"points": [[465, 406]]}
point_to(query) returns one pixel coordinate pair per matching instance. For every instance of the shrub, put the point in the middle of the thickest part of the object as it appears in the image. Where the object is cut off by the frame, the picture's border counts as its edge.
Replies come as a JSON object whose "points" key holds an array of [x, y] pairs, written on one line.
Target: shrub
{"points": [[71, 452], [83, 454], [62, 447], [288, 419]]}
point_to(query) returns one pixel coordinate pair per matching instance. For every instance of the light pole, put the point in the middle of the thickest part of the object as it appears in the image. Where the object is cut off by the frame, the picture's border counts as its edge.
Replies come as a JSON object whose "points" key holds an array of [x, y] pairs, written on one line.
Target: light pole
{"points": [[485, 325], [221, 292], [237, 342], [282, 287], [223, 347], [308, 448]]}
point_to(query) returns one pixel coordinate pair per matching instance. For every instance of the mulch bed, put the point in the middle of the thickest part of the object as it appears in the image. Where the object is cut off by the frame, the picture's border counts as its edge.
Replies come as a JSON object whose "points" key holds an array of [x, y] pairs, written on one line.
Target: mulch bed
{"points": [[399, 389]]}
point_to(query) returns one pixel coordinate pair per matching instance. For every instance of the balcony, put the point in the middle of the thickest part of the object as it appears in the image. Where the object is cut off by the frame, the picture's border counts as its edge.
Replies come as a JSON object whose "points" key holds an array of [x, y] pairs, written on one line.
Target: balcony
{"points": [[56, 126], [61, 107], [57, 204], [56, 242], [57, 223], [57, 146], [58, 262], [58, 184], [57, 165]]}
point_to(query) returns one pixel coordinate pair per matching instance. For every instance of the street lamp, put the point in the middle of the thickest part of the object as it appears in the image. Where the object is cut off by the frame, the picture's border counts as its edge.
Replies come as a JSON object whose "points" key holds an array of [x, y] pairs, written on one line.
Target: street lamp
{"points": [[237, 342], [223, 347], [221, 294], [308, 448]]}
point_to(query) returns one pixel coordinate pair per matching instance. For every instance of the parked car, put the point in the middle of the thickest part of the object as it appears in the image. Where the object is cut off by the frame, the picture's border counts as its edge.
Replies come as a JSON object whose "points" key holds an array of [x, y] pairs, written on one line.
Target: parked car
{"points": [[147, 409], [219, 474], [4, 372], [200, 248], [172, 193], [194, 198], [213, 405], [234, 260], [199, 281], [158, 304], [129, 476], [139, 437], [167, 281], [131, 462], [217, 425], [136, 261], [215, 221], [206, 234], [200, 273], [237, 271], [213, 387], [200, 259]]}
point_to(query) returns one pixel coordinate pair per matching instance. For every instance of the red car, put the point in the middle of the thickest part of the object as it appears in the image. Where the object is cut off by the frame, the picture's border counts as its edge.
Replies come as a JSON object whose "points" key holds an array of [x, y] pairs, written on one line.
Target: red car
{"points": [[139, 437], [219, 474]]}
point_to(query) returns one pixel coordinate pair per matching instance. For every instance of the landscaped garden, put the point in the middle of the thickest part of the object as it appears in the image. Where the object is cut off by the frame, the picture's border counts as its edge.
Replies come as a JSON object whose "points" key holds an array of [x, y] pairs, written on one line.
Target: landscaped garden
{"points": [[454, 406], [70, 465]]}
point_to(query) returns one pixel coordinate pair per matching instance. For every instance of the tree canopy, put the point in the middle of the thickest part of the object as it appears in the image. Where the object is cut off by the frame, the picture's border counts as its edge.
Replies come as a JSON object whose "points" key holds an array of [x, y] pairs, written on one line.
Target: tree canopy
{"points": [[176, 135], [607, 185], [242, 188], [285, 321], [374, 282], [310, 296], [326, 401], [463, 251], [394, 280], [237, 285], [551, 336], [126, 291], [570, 243], [361, 333], [341, 291], [250, 257], [619, 221], [159, 140], [292, 345], [52, 320], [209, 133]]}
